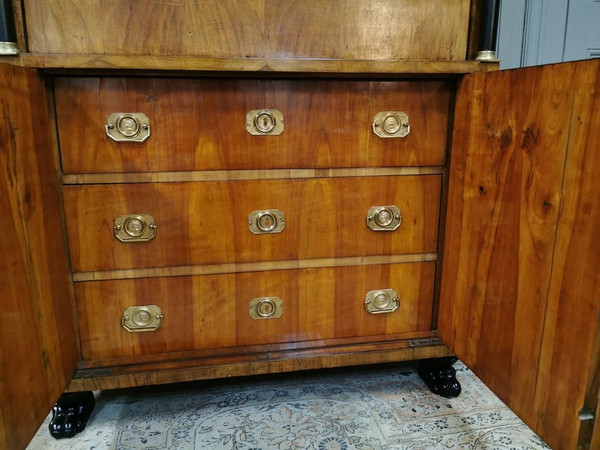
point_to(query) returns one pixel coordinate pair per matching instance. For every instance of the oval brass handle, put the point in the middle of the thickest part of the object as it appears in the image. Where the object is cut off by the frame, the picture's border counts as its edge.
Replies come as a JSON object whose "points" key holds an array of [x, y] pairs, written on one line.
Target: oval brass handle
{"points": [[266, 221], [261, 122], [128, 127], [266, 308], [384, 218], [142, 318], [381, 301], [135, 228], [391, 124]]}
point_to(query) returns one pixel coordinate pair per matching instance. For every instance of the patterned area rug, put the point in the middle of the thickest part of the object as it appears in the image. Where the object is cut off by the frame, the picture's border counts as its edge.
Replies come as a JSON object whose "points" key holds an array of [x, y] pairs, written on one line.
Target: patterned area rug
{"points": [[378, 407]]}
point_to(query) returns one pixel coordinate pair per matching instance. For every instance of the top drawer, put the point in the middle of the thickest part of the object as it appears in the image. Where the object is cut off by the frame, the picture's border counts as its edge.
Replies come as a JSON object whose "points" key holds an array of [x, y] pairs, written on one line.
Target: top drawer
{"points": [[200, 124], [340, 29]]}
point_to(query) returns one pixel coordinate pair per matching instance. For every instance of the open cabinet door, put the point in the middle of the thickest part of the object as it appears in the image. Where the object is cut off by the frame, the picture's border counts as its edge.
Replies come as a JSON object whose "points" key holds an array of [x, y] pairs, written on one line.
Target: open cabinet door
{"points": [[520, 294], [37, 334]]}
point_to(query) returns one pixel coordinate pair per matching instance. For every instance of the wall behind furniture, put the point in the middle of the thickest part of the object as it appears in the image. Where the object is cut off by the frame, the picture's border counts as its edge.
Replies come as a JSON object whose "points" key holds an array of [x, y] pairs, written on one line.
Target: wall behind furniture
{"points": [[534, 32]]}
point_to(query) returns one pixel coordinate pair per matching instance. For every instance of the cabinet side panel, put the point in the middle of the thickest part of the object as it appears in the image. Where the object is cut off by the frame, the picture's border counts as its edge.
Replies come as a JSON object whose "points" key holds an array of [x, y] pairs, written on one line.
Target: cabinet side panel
{"points": [[574, 295], [37, 338], [509, 152]]}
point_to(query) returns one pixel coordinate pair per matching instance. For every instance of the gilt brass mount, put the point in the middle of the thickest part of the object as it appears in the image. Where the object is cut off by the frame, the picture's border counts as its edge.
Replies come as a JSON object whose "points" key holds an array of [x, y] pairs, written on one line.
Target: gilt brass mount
{"points": [[266, 308], [381, 301], [135, 228], [384, 218], [261, 122], [137, 319], [128, 127], [391, 124], [268, 221]]}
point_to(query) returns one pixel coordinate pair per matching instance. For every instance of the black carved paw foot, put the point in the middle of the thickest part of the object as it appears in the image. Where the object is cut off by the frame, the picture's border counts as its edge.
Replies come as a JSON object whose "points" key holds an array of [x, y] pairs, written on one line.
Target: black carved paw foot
{"points": [[440, 376], [71, 413]]}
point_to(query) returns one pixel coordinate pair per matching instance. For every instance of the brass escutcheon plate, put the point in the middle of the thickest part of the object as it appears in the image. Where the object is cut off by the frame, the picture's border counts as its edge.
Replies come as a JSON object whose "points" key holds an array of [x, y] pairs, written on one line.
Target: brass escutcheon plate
{"points": [[266, 221], [266, 308], [264, 122], [138, 319], [128, 127], [135, 228], [391, 124], [384, 218], [381, 301]]}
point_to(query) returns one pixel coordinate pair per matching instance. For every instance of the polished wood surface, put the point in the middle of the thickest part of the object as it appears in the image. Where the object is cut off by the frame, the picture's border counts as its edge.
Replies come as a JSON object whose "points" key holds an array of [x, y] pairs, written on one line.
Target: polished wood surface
{"points": [[207, 223], [337, 29], [212, 311], [200, 124], [519, 300], [37, 337]]}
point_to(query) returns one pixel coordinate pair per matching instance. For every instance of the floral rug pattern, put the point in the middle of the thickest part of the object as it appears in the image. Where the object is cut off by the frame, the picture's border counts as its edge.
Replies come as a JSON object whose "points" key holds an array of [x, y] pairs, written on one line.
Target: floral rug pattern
{"points": [[369, 408]]}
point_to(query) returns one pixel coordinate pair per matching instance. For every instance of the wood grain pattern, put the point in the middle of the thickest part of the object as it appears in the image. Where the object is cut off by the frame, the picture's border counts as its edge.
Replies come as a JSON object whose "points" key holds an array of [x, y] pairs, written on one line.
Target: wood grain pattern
{"points": [[207, 223], [200, 124], [212, 311], [37, 337], [340, 29], [572, 322], [516, 226]]}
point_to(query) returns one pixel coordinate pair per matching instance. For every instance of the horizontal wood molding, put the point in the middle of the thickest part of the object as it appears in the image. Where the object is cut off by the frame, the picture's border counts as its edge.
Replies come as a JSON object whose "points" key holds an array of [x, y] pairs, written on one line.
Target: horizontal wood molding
{"points": [[238, 175], [96, 63], [251, 267], [258, 363]]}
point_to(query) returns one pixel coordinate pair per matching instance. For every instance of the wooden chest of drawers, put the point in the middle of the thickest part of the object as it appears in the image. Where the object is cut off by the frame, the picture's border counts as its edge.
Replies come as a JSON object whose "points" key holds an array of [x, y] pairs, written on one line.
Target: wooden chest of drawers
{"points": [[201, 174], [495, 188]]}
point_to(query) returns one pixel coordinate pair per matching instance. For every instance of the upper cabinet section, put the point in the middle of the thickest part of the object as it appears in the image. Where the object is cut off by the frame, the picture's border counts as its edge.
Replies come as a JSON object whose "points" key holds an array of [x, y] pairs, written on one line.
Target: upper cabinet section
{"points": [[431, 30]]}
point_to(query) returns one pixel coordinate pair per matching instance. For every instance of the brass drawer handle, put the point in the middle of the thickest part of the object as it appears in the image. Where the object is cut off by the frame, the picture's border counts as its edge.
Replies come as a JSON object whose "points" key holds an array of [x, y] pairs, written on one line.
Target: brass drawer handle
{"points": [[391, 124], [128, 127], [381, 301], [138, 319], [261, 122], [266, 308], [267, 221], [135, 228], [384, 218]]}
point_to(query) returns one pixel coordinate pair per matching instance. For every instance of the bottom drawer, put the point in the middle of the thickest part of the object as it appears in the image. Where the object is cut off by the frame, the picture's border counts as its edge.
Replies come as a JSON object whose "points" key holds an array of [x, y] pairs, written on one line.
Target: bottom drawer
{"points": [[211, 311]]}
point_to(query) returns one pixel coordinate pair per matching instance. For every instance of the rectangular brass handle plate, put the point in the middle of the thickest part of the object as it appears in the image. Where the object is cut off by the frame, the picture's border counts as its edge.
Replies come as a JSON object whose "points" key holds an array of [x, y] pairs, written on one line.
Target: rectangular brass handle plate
{"points": [[266, 221], [381, 301], [138, 319], [266, 308], [391, 124], [264, 122], [384, 218], [135, 228], [128, 127]]}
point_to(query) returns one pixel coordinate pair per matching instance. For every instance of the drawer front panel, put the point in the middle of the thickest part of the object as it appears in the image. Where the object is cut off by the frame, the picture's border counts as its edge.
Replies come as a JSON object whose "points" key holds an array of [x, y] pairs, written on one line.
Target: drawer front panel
{"points": [[200, 124], [212, 311], [207, 222]]}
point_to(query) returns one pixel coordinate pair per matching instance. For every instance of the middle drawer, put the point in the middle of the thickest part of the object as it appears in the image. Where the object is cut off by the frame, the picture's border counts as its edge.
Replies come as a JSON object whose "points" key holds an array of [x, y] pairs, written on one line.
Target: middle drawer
{"points": [[208, 222]]}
